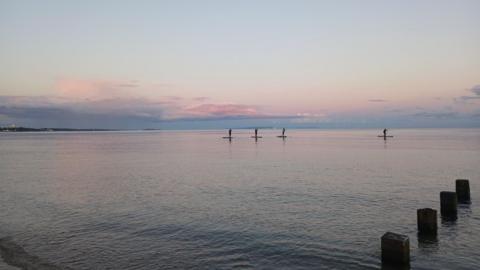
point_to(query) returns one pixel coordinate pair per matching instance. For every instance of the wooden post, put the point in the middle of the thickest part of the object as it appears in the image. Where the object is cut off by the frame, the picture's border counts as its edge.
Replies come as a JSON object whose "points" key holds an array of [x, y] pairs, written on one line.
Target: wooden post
{"points": [[395, 249], [462, 188], [427, 221], [448, 204]]}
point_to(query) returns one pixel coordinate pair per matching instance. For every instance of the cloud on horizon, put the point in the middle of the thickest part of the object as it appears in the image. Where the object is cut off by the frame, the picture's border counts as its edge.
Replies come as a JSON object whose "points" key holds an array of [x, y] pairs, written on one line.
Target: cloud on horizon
{"points": [[215, 110], [93, 89], [140, 113], [68, 112], [438, 115], [475, 90], [113, 105], [105, 103]]}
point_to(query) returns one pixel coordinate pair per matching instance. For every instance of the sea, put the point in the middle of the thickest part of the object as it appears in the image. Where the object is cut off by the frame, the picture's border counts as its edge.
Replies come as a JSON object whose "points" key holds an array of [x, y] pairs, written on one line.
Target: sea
{"points": [[317, 199]]}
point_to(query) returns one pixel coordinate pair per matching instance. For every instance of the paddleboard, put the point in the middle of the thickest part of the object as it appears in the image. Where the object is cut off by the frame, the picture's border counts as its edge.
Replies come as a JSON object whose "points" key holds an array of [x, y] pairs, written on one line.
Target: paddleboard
{"points": [[281, 136], [227, 137], [381, 136], [257, 137]]}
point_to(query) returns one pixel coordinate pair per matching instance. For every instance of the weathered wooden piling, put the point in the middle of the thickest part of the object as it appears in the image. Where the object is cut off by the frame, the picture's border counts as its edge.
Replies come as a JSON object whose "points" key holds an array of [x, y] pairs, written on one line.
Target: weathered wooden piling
{"points": [[395, 249], [427, 221], [462, 187], [448, 204]]}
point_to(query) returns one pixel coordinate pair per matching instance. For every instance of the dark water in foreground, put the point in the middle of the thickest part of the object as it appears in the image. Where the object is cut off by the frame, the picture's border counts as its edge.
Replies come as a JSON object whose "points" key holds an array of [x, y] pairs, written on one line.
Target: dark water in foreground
{"points": [[179, 200]]}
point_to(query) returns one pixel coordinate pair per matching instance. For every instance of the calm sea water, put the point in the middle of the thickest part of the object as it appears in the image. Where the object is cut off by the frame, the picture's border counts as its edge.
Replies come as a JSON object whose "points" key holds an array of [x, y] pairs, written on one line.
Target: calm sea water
{"points": [[179, 200]]}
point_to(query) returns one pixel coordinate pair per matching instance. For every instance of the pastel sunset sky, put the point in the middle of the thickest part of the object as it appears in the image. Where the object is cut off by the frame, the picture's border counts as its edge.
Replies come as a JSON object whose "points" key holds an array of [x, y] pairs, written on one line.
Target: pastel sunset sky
{"points": [[221, 64]]}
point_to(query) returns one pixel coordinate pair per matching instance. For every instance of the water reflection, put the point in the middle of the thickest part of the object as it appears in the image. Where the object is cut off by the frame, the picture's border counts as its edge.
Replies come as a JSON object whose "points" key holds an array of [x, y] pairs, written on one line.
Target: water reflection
{"points": [[427, 242], [449, 221], [386, 266], [464, 210]]}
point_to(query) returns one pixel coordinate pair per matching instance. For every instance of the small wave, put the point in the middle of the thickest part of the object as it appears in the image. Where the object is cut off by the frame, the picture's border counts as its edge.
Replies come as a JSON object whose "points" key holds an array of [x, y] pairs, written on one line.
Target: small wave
{"points": [[15, 255]]}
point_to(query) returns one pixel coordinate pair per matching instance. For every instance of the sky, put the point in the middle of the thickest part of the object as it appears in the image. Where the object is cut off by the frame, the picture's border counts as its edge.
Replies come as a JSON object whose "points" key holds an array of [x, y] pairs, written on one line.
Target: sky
{"points": [[239, 64]]}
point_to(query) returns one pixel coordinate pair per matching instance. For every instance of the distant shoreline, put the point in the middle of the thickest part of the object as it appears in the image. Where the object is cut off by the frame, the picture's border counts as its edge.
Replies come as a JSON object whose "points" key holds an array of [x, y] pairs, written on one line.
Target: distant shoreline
{"points": [[25, 129]]}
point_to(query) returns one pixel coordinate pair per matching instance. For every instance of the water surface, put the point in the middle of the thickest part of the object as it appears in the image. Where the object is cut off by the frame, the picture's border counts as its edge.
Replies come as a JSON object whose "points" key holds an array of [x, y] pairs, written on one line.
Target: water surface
{"points": [[320, 199]]}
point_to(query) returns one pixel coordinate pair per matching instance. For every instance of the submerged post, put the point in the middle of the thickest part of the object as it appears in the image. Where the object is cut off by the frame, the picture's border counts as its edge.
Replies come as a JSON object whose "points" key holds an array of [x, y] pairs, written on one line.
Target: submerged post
{"points": [[427, 221], [462, 188], [448, 204], [395, 249]]}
